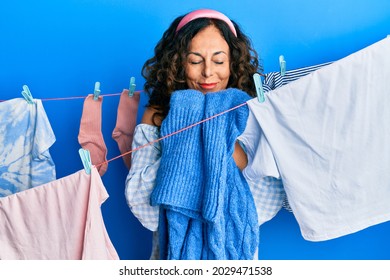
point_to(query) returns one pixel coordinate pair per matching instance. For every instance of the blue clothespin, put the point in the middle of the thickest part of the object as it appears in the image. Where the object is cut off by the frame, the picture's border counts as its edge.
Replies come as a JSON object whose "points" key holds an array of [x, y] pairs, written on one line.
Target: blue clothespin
{"points": [[96, 92], [132, 86], [259, 87], [86, 160], [282, 64], [27, 95]]}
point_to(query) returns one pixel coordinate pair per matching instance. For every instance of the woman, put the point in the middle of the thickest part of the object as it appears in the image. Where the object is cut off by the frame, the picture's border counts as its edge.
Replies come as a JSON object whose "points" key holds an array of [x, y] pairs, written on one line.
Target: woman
{"points": [[203, 51]]}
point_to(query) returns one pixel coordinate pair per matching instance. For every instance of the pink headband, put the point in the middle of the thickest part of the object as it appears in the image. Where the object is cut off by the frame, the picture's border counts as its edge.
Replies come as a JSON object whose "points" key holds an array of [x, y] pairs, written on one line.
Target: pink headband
{"points": [[205, 13]]}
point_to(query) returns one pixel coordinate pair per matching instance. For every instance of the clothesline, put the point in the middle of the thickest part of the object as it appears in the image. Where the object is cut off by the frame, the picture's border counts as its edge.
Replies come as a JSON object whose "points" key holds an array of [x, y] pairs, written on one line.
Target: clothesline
{"points": [[173, 133], [78, 97]]}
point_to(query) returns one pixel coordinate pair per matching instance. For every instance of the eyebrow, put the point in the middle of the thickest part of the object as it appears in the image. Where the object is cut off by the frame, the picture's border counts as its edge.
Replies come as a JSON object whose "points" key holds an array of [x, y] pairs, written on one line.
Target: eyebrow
{"points": [[198, 54]]}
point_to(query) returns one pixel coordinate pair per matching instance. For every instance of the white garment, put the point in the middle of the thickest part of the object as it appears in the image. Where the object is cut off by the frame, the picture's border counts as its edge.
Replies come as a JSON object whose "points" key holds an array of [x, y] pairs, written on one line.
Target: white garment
{"points": [[327, 136]]}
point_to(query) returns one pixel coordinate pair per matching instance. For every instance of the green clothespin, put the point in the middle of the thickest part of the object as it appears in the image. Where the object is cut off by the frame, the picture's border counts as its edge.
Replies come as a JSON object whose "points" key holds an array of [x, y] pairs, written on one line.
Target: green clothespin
{"points": [[259, 87], [96, 92], [27, 95], [86, 160], [282, 64], [132, 86]]}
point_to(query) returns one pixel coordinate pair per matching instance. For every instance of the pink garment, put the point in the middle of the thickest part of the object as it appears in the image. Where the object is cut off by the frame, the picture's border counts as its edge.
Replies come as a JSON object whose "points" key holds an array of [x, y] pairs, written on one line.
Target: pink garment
{"points": [[90, 135], [125, 123], [60, 220]]}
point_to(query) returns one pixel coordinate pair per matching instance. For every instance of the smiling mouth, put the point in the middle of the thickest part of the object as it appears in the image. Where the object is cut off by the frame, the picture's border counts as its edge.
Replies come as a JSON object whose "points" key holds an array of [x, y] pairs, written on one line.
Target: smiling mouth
{"points": [[208, 85]]}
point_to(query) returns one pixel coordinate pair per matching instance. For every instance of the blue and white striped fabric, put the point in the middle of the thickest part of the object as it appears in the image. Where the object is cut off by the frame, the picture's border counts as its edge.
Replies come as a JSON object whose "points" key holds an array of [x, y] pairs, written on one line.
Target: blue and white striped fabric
{"points": [[274, 80], [25, 136]]}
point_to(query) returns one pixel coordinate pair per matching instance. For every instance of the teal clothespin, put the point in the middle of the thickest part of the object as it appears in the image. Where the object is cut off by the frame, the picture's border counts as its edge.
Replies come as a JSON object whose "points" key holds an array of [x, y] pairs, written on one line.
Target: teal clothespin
{"points": [[86, 160], [259, 87], [96, 92], [282, 64], [27, 95], [132, 86]]}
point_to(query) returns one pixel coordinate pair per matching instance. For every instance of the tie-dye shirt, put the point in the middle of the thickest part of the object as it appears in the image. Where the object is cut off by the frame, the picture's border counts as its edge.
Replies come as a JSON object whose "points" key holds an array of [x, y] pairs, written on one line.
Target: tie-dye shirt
{"points": [[25, 137]]}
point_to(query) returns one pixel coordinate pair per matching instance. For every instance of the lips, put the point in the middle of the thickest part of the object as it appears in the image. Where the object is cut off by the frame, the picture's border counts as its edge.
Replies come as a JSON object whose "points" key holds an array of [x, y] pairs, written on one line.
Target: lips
{"points": [[208, 86]]}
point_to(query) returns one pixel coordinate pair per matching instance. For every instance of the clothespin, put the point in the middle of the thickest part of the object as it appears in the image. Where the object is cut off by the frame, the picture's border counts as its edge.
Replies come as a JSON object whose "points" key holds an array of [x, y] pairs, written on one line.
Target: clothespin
{"points": [[27, 95], [259, 87], [282, 64], [96, 92], [132, 86], [86, 160]]}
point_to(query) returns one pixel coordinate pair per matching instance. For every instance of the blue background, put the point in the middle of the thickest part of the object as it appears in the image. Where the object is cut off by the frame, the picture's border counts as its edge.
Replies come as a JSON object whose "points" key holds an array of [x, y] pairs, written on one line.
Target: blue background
{"points": [[61, 48]]}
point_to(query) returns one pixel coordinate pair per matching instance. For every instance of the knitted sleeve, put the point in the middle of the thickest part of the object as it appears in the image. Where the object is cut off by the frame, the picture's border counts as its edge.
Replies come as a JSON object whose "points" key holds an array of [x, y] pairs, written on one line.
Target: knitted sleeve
{"points": [[180, 173]]}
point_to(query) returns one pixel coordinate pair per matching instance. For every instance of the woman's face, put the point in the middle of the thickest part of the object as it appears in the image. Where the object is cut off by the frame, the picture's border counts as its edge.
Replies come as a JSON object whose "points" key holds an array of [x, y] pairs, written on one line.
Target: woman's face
{"points": [[207, 65]]}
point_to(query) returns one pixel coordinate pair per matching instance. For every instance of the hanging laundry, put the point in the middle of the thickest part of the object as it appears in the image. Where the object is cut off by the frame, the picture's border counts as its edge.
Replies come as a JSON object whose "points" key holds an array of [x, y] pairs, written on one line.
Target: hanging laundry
{"points": [[90, 134], [214, 216], [125, 123], [60, 220], [274, 80], [327, 137], [25, 137]]}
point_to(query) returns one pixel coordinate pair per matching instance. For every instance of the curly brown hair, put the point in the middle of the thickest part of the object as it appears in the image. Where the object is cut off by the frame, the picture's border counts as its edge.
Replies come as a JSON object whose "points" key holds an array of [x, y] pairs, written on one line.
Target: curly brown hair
{"points": [[164, 72]]}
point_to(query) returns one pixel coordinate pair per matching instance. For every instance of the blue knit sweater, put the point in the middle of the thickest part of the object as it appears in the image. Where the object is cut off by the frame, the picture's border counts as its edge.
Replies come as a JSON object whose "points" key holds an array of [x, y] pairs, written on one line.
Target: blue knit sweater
{"points": [[207, 209]]}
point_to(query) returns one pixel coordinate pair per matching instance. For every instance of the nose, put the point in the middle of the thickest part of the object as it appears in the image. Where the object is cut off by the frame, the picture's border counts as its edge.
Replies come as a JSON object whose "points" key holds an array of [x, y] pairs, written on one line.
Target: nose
{"points": [[207, 69]]}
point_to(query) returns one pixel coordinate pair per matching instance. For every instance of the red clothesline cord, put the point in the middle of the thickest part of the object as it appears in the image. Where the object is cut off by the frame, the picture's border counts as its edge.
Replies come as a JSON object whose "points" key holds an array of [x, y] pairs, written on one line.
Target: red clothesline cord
{"points": [[173, 133], [76, 97]]}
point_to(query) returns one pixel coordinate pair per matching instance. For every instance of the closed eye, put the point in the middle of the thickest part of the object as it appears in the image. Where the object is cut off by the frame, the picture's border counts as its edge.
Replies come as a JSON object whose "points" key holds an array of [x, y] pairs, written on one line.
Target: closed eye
{"points": [[195, 62]]}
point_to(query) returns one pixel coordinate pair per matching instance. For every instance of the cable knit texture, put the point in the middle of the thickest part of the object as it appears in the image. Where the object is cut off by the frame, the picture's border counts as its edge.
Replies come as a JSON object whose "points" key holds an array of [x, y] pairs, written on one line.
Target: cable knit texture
{"points": [[208, 210]]}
